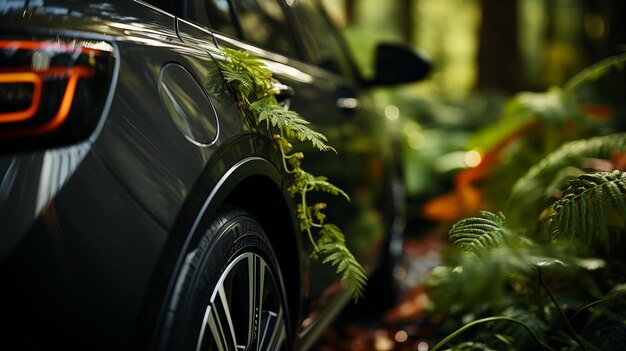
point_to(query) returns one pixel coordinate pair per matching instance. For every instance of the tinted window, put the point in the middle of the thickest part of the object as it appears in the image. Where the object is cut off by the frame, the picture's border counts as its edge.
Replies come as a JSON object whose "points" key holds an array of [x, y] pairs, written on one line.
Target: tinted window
{"points": [[165, 5], [263, 23], [214, 14], [321, 44]]}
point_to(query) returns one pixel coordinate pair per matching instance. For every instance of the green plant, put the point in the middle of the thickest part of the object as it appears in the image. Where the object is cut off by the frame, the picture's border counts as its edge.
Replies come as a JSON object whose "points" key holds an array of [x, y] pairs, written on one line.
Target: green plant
{"points": [[533, 124], [547, 272], [545, 284], [244, 77]]}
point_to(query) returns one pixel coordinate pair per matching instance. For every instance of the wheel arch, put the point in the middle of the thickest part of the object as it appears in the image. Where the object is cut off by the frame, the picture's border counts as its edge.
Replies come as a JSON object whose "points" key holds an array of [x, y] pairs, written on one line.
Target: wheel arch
{"points": [[260, 196], [254, 184]]}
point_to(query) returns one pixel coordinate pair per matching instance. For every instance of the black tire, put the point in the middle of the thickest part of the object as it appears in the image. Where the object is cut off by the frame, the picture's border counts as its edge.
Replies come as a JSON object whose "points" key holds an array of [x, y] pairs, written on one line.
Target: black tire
{"points": [[229, 294]]}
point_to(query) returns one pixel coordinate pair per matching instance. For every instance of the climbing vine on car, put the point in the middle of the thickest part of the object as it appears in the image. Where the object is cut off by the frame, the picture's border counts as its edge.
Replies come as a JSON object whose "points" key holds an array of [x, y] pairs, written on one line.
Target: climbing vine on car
{"points": [[251, 83]]}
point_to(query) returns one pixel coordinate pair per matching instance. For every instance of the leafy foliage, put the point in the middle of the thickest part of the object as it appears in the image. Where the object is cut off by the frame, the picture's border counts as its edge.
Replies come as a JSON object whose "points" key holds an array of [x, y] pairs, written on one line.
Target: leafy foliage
{"points": [[332, 244], [588, 206], [544, 179], [506, 280], [526, 109], [477, 234], [266, 109], [249, 81], [534, 271], [530, 126], [594, 72], [496, 274]]}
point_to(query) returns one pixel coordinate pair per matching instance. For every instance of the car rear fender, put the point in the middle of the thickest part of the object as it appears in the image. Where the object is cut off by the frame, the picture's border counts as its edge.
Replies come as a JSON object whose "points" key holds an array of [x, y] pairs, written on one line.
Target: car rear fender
{"points": [[253, 183]]}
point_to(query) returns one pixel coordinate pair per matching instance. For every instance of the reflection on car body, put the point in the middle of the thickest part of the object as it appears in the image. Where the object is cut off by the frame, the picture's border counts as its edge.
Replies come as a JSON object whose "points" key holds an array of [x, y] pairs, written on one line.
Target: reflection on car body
{"points": [[137, 210]]}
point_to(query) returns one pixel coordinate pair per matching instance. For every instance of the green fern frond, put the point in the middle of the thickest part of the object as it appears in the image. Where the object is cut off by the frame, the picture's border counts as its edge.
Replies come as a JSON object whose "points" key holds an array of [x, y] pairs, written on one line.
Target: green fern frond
{"points": [[332, 245], [245, 78], [330, 234], [594, 72], [529, 194], [237, 78], [470, 346], [249, 62], [322, 184], [570, 154], [306, 181], [244, 60], [477, 234], [590, 204], [215, 82], [271, 112], [524, 111], [317, 212], [252, 82], [268, 110]]}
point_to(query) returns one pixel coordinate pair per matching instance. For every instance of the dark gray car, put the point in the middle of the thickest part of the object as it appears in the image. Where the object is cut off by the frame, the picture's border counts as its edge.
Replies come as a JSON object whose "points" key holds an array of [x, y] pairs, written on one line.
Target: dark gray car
{"points": [[139, 211]]}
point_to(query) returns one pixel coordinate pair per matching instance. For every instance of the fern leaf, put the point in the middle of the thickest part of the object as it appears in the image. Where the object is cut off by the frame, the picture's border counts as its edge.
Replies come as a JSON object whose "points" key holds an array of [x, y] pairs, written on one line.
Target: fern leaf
{"points": [[330, 233], [529, 194], [247, 79], [248, 62], [290, 121], [476, 234], [589, 205], [321, 183], [332, 245], [594, 72], [236, 77], [215, 82], [570, 154], [305, 180]]}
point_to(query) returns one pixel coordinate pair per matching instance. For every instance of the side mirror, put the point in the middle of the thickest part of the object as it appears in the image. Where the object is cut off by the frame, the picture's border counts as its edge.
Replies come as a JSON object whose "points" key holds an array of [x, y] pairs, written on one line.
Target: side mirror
{"points": [[396, 64]]}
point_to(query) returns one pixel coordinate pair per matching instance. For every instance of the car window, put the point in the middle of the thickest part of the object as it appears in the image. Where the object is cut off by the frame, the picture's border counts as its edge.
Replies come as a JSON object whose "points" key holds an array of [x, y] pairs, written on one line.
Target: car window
{"points": [[321, 44], [214, 14], [264, 24]]}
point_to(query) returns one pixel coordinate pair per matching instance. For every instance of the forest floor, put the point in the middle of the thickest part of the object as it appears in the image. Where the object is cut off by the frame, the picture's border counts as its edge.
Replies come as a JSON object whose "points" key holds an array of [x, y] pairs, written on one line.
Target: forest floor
{"points": [[406, 325]]}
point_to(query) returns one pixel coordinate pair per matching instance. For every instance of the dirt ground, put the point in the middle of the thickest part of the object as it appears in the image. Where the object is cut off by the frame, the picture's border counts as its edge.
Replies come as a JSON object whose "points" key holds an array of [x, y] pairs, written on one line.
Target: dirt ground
{"points": [[406, 325]]}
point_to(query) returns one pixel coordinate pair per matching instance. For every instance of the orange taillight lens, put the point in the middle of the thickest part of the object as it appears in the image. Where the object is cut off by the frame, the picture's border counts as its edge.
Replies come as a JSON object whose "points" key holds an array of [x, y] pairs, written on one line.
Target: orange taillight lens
{"points": [[52, 92], [20, 93]]}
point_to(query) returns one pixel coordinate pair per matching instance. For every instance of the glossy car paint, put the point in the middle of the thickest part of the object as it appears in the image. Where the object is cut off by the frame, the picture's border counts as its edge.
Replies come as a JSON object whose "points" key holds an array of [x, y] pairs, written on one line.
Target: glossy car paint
{"points": [[91, 233]]}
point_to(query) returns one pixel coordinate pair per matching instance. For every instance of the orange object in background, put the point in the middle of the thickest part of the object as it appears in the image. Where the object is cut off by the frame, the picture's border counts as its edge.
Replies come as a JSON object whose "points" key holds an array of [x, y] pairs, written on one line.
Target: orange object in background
{"points": [[466, 198], [453, 205]]}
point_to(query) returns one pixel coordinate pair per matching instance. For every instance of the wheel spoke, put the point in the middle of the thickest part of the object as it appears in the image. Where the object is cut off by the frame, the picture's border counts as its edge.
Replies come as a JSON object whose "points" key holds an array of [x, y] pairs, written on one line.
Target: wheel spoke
{"points": [[219, 321], [274, 331], [245, 312], [256, 281]]}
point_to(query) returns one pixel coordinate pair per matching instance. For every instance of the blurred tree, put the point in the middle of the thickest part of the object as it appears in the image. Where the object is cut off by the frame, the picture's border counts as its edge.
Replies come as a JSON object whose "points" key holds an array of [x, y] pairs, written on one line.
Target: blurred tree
{"points": [[349, 10], [605, 33], [499, 64], [407, 27]]}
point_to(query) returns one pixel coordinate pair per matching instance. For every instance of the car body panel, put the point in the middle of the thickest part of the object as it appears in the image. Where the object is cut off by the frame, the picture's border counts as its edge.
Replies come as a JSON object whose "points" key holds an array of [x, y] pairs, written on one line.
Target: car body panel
{"points": [[88, 257], [54, 267]]}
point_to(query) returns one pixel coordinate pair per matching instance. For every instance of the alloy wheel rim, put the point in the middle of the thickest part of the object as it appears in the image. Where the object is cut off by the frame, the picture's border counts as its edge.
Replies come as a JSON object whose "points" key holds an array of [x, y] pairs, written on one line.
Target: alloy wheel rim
{"points": [[245, 311]]}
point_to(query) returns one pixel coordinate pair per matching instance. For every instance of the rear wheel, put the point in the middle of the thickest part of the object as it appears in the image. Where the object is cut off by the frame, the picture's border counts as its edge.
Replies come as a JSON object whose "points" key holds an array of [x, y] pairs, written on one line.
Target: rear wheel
{"points": [[229, 294]]}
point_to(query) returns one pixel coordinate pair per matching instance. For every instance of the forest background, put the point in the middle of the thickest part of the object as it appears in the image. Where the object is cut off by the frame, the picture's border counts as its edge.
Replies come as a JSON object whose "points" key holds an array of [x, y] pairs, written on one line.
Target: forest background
{"points": [[483, 52]]}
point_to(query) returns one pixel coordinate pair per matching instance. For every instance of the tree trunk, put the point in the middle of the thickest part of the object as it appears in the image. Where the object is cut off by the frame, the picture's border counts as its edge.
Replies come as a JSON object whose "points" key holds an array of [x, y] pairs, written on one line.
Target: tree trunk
{"points": [[349, 10], [499, 64], [407, 23]]}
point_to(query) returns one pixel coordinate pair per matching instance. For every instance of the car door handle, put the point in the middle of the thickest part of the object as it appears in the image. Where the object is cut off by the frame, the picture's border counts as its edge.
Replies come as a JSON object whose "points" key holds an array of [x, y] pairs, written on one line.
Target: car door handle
{"points": [[283, 92]]}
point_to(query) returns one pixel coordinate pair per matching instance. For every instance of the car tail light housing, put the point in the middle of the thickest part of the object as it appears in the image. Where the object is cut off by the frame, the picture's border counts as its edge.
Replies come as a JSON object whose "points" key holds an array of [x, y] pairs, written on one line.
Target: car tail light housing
{"points": [[52, 92]]}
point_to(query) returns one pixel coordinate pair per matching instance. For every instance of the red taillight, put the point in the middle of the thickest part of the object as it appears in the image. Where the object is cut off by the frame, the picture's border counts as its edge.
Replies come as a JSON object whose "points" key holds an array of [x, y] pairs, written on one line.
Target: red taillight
{"points": [[52, 92], [20, 93]]}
